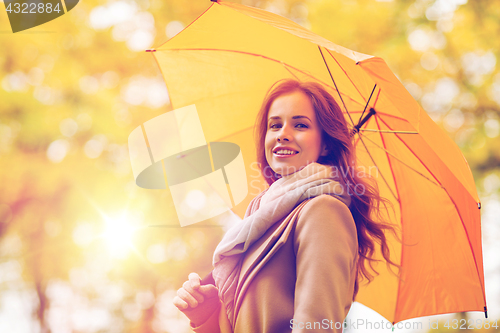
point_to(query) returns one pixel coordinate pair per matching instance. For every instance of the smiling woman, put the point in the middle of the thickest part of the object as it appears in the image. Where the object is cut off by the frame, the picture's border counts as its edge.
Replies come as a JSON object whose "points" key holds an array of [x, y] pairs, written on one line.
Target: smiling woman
{"points": [[293, 137], [307, 240]]}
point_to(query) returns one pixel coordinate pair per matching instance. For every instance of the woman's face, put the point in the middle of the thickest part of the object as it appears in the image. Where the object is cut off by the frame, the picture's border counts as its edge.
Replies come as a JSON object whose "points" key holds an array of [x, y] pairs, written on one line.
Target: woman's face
{"points": [[293, 137]]}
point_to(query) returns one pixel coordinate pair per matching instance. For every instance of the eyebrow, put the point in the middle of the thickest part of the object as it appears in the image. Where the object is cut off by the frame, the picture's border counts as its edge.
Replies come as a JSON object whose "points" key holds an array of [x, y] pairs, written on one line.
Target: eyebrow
{"points": [[294, 117]]}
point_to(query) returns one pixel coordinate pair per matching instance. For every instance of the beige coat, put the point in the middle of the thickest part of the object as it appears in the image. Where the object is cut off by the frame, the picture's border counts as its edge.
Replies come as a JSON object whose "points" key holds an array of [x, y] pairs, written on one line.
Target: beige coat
{"points": [[300, 275]]}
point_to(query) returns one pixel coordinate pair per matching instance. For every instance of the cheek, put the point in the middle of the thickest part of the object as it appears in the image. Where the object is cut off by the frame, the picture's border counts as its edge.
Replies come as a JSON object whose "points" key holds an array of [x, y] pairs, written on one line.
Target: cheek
{"points": [[309, 140], [268, 145], [314, 145], [269, 141]]}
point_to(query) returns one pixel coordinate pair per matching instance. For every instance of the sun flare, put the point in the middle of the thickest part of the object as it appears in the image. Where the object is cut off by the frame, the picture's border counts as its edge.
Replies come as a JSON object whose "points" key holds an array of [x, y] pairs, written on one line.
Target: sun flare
{"points": [[119, 234]]}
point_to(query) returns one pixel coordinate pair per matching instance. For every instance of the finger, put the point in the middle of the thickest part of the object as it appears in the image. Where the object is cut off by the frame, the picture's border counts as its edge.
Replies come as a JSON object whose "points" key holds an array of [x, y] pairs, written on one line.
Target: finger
{"points": [[195, 293], [179, 303], [209, 290], [195, 280], [187, 297]]}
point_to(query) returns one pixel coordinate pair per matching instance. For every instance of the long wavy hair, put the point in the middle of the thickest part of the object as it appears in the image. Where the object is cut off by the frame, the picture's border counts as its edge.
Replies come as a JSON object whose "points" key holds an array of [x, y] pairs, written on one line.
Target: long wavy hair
{"points": [[365, 207]]}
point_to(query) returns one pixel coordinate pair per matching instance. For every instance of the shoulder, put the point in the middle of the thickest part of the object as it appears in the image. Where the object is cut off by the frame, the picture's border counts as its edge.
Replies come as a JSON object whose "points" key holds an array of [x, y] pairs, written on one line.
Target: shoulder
{"points": [[325, 205], [325, 225], [327, 214]]}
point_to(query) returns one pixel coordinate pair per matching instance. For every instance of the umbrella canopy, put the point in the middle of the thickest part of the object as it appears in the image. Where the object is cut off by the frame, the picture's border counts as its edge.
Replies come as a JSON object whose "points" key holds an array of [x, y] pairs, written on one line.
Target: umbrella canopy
{"points": [[224, 63]]}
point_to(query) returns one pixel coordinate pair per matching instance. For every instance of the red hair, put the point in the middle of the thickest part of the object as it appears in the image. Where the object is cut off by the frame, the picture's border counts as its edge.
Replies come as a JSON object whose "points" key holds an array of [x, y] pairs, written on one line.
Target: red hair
{"points": [[365, 207]]}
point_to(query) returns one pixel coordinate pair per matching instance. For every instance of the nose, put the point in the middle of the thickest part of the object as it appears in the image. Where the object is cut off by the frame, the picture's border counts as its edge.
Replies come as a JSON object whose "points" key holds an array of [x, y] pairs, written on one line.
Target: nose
{"points": [[284, 136]]}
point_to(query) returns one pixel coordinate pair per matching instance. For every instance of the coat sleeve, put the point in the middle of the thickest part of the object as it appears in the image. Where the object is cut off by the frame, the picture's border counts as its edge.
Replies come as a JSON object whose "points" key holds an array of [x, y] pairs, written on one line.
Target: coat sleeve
{"points": [[325, 245]]}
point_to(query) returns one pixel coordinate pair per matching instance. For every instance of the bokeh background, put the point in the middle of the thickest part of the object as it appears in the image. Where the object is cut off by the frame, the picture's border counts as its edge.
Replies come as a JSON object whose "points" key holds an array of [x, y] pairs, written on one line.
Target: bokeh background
{"points": [[83, 249]]}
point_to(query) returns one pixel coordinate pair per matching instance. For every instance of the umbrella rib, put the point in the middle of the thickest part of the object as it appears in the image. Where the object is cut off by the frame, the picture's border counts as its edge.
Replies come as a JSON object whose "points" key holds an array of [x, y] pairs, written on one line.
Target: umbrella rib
{"points": [[367, 102], [373, 160], [386, 131], [385, 114], [297, 78], [436, 181], [342, 68], [388, 159], [374, 104], [399, 160], [328, 68], [401, 215], [383, 178], [378, 95], [456, 209], [289, 71]]}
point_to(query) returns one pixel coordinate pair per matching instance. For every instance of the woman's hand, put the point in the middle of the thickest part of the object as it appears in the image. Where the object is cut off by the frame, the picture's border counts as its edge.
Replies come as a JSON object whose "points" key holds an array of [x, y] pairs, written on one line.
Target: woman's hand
{"points": [[193, 293]]}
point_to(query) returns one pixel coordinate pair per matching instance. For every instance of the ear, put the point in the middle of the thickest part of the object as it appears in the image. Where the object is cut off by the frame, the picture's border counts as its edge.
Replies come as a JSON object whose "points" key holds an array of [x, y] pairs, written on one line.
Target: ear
{"points": [[324, 151]]}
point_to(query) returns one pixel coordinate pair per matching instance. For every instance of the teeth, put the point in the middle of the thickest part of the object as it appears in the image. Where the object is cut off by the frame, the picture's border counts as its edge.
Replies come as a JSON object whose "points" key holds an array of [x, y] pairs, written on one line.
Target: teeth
{"points": [[285, 152]]}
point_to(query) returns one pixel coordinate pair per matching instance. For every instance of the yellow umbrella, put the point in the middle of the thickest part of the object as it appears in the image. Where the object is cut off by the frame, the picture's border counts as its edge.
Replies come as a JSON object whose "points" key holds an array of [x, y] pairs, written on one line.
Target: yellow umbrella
{"points": [[226, 60]]}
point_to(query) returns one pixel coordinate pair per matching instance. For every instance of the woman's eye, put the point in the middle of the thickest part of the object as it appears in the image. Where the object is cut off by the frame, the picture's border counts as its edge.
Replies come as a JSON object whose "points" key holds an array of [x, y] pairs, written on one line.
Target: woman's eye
{"points": [[274, 126], [301, 126]]}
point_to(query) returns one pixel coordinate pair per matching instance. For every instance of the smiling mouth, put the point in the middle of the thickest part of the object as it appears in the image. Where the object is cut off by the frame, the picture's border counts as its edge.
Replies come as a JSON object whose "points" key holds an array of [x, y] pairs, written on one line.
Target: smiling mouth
{"points": [[285, 152]]}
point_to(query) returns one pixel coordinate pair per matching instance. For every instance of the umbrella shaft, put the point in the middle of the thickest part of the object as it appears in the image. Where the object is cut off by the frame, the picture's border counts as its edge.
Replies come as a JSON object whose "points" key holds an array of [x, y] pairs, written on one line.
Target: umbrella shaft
{"points": [[364, 120]]}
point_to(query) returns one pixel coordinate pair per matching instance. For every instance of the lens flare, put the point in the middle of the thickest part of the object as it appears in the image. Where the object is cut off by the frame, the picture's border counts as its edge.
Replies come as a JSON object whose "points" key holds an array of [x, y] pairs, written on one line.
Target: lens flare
{"points": [[118, 234]]}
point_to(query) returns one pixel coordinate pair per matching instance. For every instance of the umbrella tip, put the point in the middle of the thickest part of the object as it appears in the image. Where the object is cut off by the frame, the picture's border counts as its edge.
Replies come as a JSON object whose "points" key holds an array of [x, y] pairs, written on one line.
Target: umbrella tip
{"points": [[214, 0], [151, 50]]}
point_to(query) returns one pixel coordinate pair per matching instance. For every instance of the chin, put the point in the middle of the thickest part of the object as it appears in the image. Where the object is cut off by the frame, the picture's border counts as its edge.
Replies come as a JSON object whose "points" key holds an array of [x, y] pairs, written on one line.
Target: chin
{"points": [[287, 170]]}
